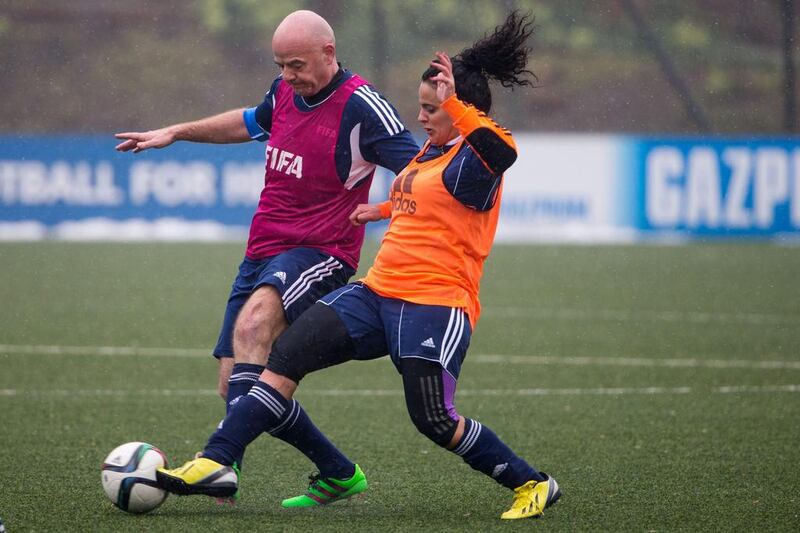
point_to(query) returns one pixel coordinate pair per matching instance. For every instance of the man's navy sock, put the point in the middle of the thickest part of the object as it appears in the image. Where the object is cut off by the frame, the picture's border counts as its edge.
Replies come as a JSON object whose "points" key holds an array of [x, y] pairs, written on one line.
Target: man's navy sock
{"points": [[265, 409], [243, 376]]}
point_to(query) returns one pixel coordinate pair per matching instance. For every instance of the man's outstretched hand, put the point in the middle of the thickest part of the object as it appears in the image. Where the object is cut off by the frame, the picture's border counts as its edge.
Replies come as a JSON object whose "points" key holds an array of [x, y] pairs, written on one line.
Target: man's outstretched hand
{"points": [[139, 141]]}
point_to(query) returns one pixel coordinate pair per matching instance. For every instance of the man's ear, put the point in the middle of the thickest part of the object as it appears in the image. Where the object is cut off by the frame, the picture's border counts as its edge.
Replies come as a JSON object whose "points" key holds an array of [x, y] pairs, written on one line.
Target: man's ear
{"points": [[329, 50]]}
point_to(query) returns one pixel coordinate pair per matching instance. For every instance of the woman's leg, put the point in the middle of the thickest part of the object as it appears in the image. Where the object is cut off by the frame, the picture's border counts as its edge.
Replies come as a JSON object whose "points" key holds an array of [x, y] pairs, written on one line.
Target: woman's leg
{"points": [[429, 392]]}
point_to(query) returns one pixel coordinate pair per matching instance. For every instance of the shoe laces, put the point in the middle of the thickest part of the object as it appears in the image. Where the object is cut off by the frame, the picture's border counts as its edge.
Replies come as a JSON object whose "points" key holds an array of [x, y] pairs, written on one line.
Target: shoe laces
{"points": [[314, 480], [523, 496]]}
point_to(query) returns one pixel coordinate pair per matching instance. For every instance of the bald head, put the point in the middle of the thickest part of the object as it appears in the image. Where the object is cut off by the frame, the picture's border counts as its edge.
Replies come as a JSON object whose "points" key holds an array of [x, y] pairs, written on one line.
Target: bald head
{"points": [[304, 49], [303, 27]]}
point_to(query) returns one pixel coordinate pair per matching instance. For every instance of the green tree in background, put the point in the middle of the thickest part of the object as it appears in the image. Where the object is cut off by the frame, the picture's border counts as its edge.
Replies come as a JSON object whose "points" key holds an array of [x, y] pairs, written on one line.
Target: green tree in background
{"points": [[95, 66]]}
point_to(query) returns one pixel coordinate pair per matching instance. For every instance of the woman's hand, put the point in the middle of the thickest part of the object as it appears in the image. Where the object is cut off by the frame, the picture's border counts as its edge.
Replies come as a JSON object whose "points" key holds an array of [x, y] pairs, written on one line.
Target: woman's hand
{"points": [[445, 82], [364, 213]]}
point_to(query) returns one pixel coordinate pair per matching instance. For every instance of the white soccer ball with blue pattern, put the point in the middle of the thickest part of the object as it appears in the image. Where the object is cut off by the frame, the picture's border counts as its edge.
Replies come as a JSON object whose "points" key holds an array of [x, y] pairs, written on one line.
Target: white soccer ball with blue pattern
{"points": [[129, 477]]}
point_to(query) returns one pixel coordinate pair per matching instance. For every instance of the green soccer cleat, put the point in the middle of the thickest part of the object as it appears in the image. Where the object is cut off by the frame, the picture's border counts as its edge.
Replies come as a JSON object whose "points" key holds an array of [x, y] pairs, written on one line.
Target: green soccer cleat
{"points": [[200, 476], [325, 490], [532, 498]]}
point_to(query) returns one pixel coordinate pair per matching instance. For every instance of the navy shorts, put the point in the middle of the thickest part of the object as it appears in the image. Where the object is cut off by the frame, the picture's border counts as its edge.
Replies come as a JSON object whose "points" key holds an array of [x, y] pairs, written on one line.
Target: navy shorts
{"points": [[301, 276], [380, 326]]}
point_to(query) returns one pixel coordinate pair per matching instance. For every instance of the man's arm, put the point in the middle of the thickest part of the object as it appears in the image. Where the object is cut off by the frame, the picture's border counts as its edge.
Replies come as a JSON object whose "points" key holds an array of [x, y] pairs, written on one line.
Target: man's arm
{"points": [[228, 127], [384, 141]]}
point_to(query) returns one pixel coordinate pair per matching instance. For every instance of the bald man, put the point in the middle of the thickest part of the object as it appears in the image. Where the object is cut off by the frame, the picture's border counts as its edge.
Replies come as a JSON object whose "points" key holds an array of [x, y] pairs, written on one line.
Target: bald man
{"points": [[326, 129]]}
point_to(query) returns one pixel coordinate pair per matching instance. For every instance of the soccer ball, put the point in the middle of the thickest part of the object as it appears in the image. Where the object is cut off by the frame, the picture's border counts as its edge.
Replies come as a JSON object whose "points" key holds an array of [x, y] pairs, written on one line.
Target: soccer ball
{"points": [[129, 477]]}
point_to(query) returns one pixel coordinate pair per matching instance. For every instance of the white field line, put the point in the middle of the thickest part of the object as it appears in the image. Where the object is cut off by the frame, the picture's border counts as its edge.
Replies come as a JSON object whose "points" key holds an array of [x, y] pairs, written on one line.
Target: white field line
{"points": [[633, 361], [7, 349], [696, 317], [599, 391], [101, 350]]}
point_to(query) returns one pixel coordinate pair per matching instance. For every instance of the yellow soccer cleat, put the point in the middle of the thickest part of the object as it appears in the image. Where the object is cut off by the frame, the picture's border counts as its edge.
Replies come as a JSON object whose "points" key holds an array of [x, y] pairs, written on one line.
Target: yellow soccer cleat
{"points": [[532, 498], [200, 476]]}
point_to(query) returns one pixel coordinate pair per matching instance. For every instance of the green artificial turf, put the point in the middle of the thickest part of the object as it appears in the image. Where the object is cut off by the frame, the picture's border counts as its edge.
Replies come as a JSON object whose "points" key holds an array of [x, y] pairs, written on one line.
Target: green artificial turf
{"points": [[659, 384]]}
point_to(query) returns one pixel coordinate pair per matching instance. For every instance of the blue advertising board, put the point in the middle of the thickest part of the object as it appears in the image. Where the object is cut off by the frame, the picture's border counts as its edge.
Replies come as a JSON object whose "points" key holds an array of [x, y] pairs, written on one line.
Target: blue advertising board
{"points": [[56, 179], [717, 187], [563, 187]]}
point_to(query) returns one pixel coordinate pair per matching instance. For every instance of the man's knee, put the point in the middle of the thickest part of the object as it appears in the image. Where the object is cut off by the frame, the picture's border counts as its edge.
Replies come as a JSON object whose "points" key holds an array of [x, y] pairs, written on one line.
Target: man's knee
{"points": [[262, 309], [260, 321]]}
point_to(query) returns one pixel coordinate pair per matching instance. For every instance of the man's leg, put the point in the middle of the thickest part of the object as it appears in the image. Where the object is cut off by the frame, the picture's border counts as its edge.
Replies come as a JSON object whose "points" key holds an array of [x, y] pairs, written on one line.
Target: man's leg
{"points": [[241, 290], [316, 340], [225, 367], [260, 321], [287, 285]]}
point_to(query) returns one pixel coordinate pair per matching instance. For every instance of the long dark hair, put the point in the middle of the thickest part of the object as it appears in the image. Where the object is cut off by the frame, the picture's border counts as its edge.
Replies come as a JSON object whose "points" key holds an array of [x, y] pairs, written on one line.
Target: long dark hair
{"points": [[501, 56]]}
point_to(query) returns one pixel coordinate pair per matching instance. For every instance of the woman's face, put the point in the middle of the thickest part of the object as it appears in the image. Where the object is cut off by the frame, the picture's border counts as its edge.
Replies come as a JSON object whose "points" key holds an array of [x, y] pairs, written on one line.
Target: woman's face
{"points": [[435, 120]]}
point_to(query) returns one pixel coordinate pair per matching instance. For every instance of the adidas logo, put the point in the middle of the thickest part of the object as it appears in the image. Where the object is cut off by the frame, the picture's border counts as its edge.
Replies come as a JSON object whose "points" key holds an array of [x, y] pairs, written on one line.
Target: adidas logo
{"points": [[428, 343], [499, 469], [281, 276]]}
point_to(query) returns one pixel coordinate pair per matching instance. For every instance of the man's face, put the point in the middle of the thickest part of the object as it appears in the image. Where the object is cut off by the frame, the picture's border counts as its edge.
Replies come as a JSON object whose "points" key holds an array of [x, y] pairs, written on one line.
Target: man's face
{"points": [[306, 66]]}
